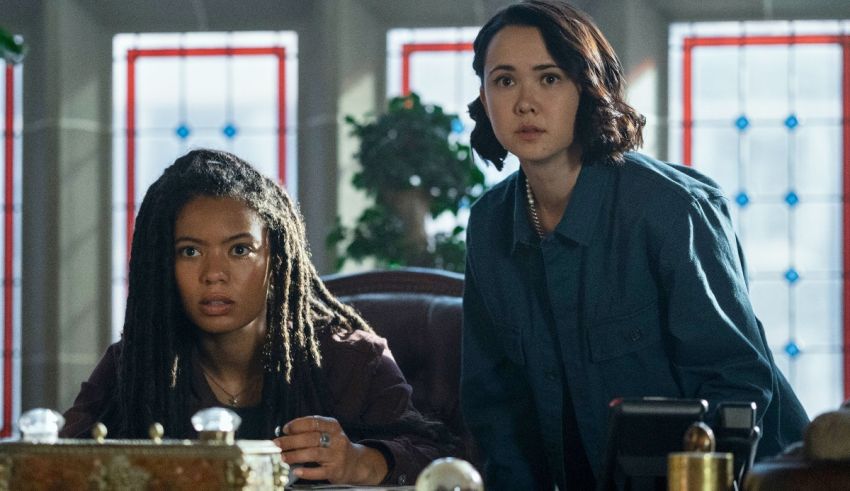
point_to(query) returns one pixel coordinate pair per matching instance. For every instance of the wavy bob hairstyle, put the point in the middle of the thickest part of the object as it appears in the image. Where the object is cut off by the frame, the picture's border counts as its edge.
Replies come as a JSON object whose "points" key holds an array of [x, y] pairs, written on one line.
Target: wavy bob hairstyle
{"points": [[606, 126]]}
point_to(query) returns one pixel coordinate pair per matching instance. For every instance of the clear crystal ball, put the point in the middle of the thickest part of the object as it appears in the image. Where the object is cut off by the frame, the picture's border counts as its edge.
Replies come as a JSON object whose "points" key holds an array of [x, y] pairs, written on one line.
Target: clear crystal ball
{"points": [[449, 474], [216, 419], [41, 425]]}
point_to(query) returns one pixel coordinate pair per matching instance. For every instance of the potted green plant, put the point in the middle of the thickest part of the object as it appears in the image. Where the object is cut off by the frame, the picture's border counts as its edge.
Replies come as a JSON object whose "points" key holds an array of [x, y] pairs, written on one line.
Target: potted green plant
{"points": [[413, 167], [12, 48]]}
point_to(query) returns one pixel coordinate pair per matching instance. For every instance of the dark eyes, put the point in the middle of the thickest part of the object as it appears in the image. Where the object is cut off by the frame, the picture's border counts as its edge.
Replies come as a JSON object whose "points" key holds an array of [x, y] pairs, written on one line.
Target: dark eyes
{"points": [[550, 79], [241, 250], [504, 81], [237, 250], [188, 251], [546, 79]]}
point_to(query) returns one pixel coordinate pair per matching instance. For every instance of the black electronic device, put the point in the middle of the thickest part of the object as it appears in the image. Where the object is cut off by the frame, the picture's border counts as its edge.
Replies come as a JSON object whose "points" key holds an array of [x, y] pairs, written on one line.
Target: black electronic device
{"points": [[643, 431], [735, 431]]}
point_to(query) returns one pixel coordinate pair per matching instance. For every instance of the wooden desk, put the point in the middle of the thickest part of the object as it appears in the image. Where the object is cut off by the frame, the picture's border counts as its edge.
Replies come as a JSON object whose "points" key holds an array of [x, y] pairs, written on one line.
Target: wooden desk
{"points": [[350, 488]]}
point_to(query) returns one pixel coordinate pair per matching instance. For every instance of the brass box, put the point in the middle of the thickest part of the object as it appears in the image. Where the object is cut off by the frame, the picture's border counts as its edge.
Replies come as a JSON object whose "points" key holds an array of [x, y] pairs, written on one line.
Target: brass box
{"points": [[142, 465]]}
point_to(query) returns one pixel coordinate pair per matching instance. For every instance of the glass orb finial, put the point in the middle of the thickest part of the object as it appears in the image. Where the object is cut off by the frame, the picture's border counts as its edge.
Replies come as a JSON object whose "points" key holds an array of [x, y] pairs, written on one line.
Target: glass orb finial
{"points": [[216, 424], [41, 425]]}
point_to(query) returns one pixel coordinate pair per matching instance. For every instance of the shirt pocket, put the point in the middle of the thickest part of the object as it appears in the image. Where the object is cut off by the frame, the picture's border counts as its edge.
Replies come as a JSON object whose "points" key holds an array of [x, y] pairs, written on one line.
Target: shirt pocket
{"points": [[618, 336]]}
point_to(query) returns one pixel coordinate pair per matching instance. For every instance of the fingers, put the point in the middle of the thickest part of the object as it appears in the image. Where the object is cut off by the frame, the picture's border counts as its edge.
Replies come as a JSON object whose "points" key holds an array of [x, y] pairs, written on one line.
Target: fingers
{"points": [[314, 473], [305, 455], [310, 431], [311, 423], [318, 440], [311, 439]]}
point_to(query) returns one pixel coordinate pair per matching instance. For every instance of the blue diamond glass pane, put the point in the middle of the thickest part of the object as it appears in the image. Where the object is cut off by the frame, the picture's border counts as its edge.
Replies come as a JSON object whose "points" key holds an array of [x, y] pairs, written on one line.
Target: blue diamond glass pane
{"points": [[791, 122], [791, 198], [792, 349], [742, 122], [182, 131], [229, 131], [742, 199], [791, 275], [457, 125]]}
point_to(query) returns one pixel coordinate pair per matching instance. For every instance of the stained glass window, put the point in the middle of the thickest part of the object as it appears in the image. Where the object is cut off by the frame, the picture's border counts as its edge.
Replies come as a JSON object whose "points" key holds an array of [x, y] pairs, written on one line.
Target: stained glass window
{"points": [[10, 234], [436, 63], [235, 91], [764, 108]]}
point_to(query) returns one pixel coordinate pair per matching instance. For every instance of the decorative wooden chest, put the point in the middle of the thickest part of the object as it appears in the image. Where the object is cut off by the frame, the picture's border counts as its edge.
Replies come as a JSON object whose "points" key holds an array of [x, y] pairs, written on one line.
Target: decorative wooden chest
{"points": [[43, 461], [142, 464]]}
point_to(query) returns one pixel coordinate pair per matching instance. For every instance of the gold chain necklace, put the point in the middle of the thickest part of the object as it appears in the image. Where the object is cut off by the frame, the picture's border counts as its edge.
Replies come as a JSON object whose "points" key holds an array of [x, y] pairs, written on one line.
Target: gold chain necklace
{"points": [[532, 210], [232, 399]]}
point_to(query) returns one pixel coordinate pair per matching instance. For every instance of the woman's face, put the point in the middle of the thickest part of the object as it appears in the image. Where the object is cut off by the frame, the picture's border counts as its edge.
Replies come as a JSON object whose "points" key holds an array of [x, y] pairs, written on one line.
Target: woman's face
{"points": [[530, 101], [221, 265]]}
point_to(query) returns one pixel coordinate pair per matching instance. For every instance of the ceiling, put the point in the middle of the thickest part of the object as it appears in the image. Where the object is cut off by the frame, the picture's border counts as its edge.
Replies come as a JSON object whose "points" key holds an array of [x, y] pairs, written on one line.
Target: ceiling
{"points": [[139, 15], [476, 12], [681, 10], [226, 14]]}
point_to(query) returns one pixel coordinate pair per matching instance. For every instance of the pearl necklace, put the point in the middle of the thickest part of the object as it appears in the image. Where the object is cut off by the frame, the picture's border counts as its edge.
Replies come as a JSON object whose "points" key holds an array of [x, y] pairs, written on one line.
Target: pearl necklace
{"points": [[532, 211]]}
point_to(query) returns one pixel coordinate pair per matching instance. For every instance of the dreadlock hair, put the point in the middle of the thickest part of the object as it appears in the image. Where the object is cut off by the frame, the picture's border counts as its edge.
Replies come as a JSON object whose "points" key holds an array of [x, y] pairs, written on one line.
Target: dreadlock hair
{"points": [[606, 126], [154, 367]]}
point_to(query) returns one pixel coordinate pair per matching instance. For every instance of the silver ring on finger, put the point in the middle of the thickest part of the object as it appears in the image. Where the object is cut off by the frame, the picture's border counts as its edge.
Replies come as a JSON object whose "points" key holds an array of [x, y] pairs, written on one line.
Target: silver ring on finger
{"points": [[324, 440]]}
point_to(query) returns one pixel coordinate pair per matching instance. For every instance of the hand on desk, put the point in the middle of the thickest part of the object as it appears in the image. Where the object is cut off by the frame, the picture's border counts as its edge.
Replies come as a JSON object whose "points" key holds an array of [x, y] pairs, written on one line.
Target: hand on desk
{"points": [[321, 440]]}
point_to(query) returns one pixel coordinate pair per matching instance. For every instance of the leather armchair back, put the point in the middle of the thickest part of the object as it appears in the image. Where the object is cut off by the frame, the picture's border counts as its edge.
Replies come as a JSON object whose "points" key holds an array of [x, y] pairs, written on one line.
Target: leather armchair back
{"points": [[419, 312]]}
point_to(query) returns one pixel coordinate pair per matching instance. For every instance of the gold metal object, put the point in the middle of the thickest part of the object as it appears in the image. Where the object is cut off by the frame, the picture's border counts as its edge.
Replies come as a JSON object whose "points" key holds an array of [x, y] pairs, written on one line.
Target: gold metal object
{"points": [[238, 473], [98, 432], [217, 437], [142, 464], [699, 438], [5, 472], [118, 473], [156, 431], [699, 471], [280, 474], [699, 467]]}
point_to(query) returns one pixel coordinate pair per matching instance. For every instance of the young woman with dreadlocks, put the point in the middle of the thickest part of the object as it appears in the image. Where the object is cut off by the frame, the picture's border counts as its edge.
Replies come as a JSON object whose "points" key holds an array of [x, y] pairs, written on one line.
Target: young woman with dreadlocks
{"points": [[225, 309]]}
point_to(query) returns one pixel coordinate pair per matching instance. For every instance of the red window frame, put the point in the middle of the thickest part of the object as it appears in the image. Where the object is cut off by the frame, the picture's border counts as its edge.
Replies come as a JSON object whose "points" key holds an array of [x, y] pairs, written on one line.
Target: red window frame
{"points": [[8, 251], [409, 49], [133, 55], [691, 43]]}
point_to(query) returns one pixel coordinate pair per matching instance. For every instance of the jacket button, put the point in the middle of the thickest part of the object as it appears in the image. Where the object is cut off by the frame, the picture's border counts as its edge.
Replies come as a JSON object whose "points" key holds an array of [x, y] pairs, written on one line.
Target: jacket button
{"points": [[402, 479], [635, 335]]}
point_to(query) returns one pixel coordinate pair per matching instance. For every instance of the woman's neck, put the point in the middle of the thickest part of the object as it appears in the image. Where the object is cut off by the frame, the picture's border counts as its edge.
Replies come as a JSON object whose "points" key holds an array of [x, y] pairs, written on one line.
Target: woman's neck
{"points": [[552, 185], [232, 365], [233, 356]]}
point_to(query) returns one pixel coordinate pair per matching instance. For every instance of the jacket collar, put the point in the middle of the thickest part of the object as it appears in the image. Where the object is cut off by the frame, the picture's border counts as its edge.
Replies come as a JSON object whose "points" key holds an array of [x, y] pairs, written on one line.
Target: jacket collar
{"points": [[592, 186]]}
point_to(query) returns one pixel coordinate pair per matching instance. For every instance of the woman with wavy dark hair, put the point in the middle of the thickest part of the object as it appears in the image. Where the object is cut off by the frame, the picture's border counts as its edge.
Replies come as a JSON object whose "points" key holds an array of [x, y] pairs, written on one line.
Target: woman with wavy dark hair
{"points": [[225, 308], [594, 272]]}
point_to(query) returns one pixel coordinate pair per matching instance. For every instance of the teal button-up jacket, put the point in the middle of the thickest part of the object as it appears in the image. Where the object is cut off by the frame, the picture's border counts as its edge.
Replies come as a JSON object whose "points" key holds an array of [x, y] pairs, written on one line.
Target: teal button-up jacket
{"points": [[639, 291]]}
